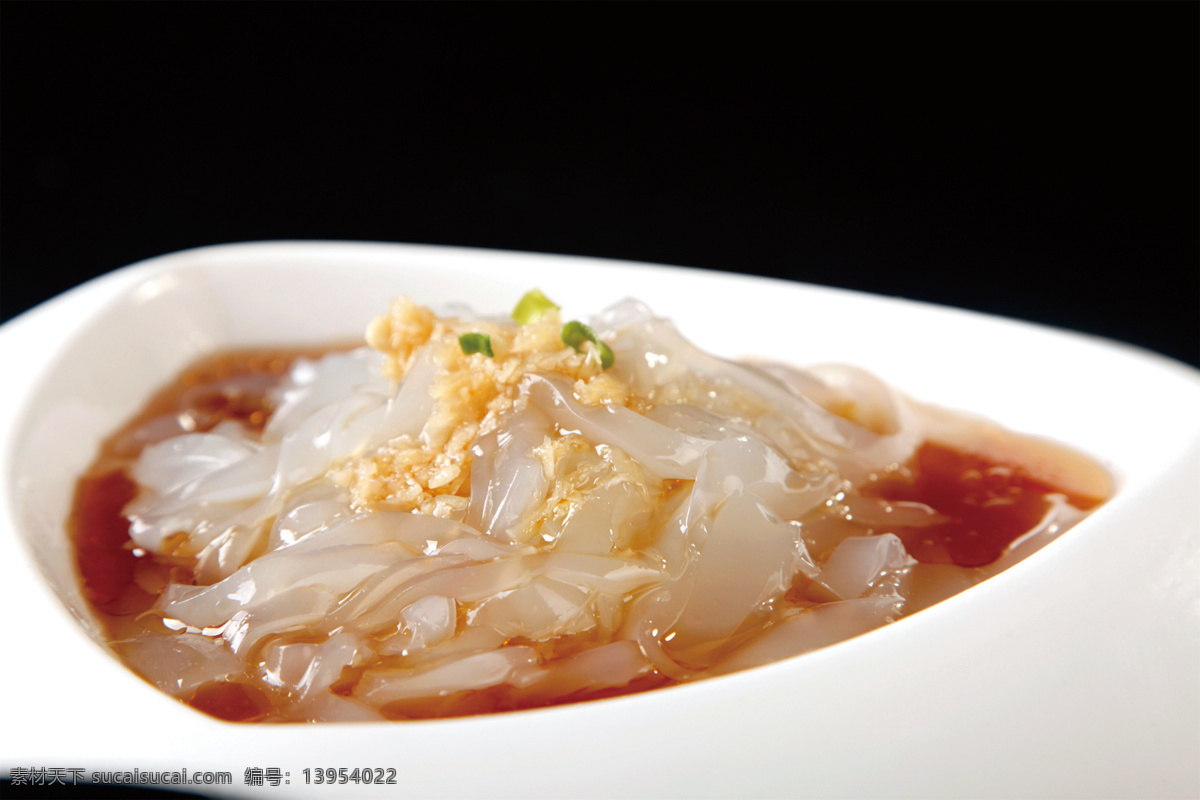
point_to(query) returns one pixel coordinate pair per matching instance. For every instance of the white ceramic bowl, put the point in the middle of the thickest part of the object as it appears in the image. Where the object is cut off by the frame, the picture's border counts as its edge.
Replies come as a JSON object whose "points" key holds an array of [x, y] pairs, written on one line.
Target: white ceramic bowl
{"points": [[1074, 674]]}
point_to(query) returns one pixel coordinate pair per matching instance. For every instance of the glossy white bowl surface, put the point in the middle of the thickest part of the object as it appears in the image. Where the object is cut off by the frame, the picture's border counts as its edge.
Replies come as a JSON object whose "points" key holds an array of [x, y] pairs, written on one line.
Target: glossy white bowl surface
{"points": [[1075, 674]]}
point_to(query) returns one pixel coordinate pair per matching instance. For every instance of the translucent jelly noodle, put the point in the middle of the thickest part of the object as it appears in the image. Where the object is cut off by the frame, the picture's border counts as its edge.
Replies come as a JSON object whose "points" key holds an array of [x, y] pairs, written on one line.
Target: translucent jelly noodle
{"points": [[474, 514]]}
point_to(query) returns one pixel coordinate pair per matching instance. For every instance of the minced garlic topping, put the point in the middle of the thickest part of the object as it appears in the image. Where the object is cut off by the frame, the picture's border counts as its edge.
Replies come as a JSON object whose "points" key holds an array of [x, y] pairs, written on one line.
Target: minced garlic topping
{"points": [[431, 474]]}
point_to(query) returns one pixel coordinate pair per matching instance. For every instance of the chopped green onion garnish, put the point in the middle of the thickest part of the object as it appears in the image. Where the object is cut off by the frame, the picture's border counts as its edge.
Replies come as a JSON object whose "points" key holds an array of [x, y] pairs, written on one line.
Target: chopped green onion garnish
{"points": [[476, 343], [531, 307], [576, 333]]}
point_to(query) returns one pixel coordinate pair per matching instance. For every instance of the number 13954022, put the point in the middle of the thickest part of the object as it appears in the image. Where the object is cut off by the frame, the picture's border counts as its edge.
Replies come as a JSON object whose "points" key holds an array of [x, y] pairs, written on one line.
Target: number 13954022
{"points": [[341, 775]]}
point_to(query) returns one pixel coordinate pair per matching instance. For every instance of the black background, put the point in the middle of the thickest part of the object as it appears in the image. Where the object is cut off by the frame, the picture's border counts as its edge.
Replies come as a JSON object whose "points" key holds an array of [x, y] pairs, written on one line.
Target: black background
{"points": [[1032, 160]]}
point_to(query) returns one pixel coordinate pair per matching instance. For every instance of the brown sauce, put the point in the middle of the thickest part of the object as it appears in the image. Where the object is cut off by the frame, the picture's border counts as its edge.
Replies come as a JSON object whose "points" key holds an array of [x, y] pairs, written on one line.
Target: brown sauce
{"points": [[230, 701], [986, 507], [103, 552]]}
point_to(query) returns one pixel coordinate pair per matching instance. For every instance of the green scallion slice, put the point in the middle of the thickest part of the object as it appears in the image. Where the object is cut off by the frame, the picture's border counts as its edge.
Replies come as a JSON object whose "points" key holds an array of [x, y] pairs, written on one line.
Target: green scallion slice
{"points": [[575, 334], [476, 343], [531, 307]]}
